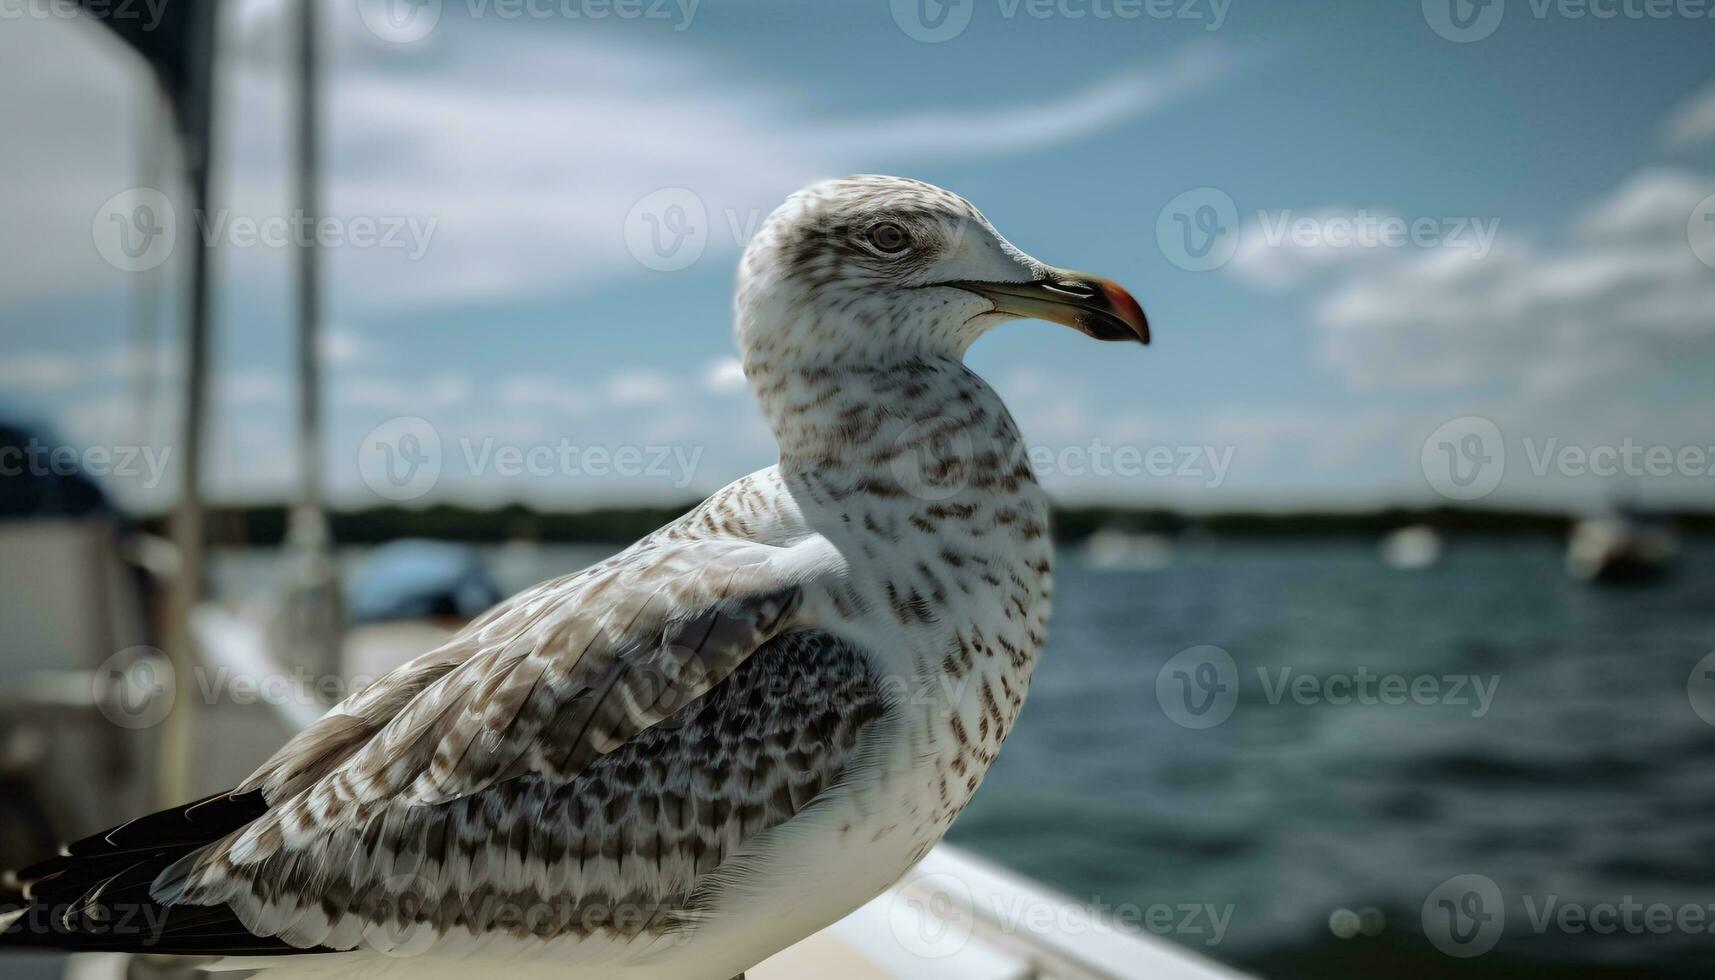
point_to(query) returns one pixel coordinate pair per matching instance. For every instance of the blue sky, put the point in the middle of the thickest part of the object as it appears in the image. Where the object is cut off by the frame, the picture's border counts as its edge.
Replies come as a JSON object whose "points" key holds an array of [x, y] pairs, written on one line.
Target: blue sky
{"points": [[1561, 163]]}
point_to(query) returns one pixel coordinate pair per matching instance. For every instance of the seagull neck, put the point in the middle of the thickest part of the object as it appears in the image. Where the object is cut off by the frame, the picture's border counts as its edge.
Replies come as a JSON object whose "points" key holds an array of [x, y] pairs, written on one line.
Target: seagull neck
{"points": [[857, 419]]}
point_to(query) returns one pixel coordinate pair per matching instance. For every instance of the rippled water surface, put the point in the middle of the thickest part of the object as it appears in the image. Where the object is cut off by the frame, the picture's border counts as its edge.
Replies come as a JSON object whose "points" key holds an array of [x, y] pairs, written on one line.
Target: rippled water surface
{"points": [[1589, 779]]}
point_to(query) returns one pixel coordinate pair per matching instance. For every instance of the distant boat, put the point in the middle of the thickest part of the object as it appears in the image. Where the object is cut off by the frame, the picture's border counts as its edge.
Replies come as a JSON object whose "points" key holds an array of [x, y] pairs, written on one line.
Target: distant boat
{"points": [[1412, 548], [414, 578], [1114, 549], [1621, 549]]}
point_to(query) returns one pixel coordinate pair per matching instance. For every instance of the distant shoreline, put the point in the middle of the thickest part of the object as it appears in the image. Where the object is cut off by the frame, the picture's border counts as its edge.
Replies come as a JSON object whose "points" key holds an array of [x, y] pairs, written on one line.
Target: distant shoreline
{"points": [[265, 525]]}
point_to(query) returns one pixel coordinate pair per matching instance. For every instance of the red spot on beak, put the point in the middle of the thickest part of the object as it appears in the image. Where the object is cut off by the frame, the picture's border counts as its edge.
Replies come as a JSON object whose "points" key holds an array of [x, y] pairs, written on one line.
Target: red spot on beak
{"points": [[1125, 307]]}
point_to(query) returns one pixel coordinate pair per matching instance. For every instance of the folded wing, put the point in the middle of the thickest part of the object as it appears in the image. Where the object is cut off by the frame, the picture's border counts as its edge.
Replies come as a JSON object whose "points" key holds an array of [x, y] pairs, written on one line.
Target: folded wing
{"points": [[592, 750]]}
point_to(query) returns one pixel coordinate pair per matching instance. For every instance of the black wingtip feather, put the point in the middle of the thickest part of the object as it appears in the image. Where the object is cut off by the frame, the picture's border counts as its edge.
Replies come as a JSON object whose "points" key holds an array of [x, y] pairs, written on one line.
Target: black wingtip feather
{"points": [[96, 895]]}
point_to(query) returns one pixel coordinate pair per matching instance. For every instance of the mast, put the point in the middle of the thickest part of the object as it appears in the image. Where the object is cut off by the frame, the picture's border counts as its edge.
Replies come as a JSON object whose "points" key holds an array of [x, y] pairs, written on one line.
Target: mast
{"points": [[193, 102], [314, 600]]}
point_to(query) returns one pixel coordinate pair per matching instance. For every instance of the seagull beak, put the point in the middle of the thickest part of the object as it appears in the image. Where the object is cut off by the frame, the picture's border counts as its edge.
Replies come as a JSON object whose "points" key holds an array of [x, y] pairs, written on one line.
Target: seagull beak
{"points": [[1089, 304]]}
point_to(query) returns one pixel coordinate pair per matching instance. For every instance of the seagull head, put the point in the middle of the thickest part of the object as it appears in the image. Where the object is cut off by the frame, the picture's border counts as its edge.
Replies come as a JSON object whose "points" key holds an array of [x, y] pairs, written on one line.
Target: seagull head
{"points": [[869, 268]]}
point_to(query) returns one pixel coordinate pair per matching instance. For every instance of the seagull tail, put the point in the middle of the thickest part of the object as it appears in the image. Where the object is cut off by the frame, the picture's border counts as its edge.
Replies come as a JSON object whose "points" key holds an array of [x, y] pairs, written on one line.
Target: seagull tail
{"points": [[95, 895]]}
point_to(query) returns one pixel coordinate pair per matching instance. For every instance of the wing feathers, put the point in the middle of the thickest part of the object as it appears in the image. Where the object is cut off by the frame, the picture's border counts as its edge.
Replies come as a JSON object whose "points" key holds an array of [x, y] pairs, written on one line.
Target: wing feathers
{"points": [[586, 744]]}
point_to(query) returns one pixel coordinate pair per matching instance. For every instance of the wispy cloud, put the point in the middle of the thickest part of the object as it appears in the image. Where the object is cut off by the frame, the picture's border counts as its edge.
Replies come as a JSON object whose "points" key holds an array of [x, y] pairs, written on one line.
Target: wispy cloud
{"points": [[1693, 122], [724, 375], [527, 185], [983, 130], [1623, 294]]}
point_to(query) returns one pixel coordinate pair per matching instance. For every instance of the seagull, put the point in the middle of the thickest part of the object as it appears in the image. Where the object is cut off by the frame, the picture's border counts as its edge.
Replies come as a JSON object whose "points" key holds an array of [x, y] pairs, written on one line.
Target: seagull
{"points": [[679, 761]]}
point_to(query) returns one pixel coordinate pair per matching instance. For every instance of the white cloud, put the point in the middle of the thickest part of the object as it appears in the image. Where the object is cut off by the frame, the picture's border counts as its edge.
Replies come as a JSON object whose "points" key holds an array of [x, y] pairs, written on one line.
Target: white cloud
{"points": [[38, 372], [1269, 257], [1651, 205], [514, 187], [1011, 129], [240, 389], [611, 131], [1626, 295], [1284, 249], [340, 347], [1693, 122], [1605, 336], [43, 372], [640, 387], [725, 374], [538, 391], [422, 396]]}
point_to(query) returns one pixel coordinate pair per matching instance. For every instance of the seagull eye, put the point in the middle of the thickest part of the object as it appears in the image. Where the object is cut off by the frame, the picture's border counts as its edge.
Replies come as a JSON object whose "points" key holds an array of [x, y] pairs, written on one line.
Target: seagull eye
{"points": [[889, 238]]}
